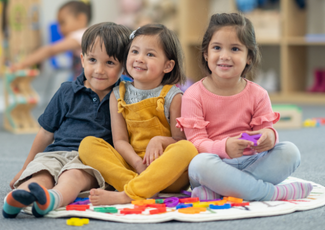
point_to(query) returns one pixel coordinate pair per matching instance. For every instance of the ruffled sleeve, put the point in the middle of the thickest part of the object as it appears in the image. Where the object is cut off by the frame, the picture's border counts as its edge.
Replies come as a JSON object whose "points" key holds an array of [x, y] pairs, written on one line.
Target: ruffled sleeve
{"points": [[192, 123], [264, 119]]}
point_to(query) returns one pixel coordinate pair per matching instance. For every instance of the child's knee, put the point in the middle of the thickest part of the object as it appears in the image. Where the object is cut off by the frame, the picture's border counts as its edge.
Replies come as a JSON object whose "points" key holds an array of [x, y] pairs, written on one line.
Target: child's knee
{"points": [[199, 162], [86, 145], [188, 148], [289, 153], [76, 174]]}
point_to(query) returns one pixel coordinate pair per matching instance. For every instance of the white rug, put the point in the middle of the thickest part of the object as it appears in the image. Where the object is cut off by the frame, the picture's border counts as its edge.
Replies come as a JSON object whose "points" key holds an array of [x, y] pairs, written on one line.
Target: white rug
{"points": [[255, 209]]}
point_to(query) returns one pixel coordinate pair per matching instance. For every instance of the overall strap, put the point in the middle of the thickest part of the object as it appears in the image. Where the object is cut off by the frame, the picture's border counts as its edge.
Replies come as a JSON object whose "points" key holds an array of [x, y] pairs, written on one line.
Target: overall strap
{"points": [[122, 90], [120, 102], [161, 97], [165, 90]]}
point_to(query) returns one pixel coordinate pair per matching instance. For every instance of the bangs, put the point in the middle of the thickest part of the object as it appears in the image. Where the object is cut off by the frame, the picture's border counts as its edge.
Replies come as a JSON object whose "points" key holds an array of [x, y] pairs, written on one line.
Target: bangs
{"points": [[108, 35]]}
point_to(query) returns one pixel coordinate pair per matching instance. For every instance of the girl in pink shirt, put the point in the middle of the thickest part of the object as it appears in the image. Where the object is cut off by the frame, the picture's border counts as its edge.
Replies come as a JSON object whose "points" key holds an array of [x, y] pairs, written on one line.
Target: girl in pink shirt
{"points": [[218, 109]]}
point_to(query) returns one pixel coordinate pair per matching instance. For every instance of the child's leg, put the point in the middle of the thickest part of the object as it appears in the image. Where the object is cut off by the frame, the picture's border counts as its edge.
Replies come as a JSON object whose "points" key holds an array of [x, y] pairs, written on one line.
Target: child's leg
{"points": [[182, 183], [210, 171], [20, 198], [275, 165], [162, 173], [70, 184], [43, 178], [107, 161]]}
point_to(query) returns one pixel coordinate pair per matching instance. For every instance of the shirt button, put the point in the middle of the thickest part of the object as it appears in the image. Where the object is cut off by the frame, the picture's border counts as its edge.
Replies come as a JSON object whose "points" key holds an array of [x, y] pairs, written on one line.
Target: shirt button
{"points": [[94, 99]]}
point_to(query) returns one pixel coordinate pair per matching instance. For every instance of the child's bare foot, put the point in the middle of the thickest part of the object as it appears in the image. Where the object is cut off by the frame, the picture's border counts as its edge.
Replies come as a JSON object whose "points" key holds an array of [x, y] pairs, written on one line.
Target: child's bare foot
{"points": [[104, 197]]}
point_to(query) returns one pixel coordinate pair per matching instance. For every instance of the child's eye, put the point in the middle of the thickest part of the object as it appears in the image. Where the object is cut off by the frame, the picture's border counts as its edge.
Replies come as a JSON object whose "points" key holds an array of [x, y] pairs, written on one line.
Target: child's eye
{"points": [[134, 51], [150, 55], [216, 47], [110, 63], [92, 59], [235, 49]]}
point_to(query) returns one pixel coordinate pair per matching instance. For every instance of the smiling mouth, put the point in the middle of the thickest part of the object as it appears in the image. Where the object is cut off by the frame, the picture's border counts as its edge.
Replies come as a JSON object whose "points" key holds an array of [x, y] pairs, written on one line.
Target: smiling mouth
{"points": [[224, 65], [100, 79], [138, 68]]}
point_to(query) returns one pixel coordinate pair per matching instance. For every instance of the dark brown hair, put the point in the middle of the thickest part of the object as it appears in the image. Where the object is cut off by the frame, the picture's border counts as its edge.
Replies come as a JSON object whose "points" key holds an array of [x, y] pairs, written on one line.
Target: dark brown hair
{"points": [[79, 7], [114, 37], [171, 47], [245, 33]]}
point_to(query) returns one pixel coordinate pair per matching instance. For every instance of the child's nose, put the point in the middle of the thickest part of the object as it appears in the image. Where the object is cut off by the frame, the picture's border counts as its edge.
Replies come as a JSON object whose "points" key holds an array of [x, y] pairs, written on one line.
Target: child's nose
{"points": [[100, 69], [139, 58], [224, 55]]}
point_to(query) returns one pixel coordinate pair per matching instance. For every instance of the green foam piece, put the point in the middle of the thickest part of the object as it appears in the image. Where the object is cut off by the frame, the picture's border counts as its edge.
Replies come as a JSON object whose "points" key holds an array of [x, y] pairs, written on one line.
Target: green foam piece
{"points": [[159, 201], [106, 209]]}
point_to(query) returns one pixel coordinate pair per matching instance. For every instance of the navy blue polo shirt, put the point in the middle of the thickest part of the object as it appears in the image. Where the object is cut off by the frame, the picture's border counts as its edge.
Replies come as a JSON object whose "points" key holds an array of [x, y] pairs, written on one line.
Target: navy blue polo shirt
{"points": [[75, 112]]}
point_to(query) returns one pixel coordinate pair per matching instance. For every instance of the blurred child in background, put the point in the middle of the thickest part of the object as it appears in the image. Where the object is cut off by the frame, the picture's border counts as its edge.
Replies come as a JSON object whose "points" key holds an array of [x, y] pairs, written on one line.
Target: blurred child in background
{"points": [[73, 18]]}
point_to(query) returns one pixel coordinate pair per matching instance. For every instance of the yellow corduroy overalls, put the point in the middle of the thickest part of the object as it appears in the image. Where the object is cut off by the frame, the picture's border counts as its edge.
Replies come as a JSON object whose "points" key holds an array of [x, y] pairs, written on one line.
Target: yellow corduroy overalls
{"points": [[145, 120]]}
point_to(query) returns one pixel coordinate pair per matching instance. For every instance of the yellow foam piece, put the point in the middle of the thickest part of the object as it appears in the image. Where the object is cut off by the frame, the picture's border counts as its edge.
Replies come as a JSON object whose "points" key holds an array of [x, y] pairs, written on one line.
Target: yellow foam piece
{"points": [[201, 204], [77, 222]]}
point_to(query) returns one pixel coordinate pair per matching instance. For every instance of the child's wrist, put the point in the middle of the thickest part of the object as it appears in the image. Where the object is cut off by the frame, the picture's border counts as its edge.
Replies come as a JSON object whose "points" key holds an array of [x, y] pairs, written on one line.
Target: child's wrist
{"points": [[137, 163]]}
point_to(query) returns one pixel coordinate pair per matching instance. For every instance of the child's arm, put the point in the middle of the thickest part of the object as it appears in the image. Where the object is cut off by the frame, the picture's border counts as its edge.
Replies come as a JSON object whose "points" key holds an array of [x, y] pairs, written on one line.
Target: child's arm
{"points": [[41, 141], [46, 52], [262, 123], [158, 144], [121, 138]]}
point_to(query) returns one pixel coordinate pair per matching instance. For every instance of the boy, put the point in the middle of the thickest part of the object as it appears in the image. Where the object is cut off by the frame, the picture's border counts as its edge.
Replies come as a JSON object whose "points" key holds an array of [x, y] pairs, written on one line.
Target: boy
{"points": [[73, 18], [78, 109]]}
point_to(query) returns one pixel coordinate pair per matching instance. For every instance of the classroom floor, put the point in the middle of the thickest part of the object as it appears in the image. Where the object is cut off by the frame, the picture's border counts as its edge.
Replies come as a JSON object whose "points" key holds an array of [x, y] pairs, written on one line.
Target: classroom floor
{"points": [[310, 141]]}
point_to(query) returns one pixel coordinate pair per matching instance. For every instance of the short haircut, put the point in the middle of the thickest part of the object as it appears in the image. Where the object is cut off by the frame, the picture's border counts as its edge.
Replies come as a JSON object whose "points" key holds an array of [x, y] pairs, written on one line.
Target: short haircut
{"points": [[171, 47], [245, 33], [114, 37], [79, 7]]}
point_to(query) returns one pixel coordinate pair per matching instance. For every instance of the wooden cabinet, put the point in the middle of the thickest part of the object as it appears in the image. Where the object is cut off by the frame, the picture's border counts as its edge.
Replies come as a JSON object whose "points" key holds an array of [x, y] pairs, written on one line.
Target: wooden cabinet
{"points": [[288, 54]]}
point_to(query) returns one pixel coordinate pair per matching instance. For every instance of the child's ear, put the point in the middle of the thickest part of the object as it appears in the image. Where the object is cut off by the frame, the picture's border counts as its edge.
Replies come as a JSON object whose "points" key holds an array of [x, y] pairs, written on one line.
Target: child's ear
{"points": [[249, 60], [169, 66], [205, 55], [82, 60], [82, 18]]}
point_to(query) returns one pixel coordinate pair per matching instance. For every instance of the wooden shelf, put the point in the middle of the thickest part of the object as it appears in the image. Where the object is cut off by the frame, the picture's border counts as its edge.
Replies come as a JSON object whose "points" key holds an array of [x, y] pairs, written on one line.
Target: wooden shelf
{"points": [[194, 40], [268, 41], [298, 98], [302, 41]]}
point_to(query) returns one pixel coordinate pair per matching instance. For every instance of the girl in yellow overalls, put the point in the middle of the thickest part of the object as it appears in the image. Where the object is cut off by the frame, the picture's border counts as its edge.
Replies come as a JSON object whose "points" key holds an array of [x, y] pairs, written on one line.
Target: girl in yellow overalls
{"points": [[151, 154]]}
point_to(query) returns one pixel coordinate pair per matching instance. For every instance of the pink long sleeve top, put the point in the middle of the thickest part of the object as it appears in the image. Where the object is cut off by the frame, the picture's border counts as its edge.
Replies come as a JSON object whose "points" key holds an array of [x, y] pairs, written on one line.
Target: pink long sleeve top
{"points": [[208, 119]]}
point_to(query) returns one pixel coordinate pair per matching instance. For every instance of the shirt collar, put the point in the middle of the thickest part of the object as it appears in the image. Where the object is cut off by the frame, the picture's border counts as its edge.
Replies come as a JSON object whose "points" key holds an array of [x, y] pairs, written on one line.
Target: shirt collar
{"points": [[78, 84]]}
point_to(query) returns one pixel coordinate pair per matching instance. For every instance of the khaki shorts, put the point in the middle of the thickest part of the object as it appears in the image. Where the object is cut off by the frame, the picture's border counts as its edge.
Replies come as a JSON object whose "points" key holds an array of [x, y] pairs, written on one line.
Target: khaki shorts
{"points": [[58, 162]]}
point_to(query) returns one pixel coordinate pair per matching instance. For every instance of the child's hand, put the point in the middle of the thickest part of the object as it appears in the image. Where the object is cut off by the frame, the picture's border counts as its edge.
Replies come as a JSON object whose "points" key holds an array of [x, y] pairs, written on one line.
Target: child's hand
{"points": [[15, 67], [154, 150], [15, 178], [266, 141], [235, 147]]}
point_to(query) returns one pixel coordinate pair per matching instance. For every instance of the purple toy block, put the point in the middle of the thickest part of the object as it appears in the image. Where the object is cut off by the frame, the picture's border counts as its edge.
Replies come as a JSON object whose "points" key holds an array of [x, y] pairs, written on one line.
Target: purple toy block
{"points": [[253, 138]]}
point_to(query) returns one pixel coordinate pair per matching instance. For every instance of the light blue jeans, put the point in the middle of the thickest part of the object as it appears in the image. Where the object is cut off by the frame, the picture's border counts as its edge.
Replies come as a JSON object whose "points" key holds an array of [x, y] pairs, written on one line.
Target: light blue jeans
{"points": [[247, 177]]}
